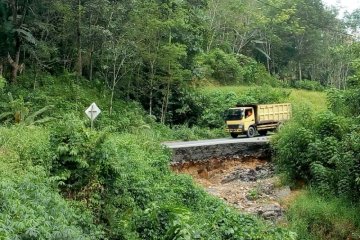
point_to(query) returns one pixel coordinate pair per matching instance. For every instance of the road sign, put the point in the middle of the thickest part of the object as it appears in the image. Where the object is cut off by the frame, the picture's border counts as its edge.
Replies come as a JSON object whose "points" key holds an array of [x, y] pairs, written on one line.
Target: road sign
{"points": [[92, 112]]}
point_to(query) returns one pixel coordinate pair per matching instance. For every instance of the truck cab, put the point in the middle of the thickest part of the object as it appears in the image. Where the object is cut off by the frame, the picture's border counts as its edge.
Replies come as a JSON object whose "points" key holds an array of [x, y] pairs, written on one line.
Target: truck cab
{"points": [[239, 119]]}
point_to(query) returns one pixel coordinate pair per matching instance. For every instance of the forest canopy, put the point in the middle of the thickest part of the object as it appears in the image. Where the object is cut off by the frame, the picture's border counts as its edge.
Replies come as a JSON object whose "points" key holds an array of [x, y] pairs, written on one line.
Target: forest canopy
{"points": [[148, 50]]}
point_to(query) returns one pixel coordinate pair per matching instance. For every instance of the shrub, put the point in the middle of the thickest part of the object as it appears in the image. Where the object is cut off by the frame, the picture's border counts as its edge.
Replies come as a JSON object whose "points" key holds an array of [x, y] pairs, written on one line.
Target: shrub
{"points": [[323, 151], [32, 209], [309, 85], [255, 73], [219, 65], [30, 145]]}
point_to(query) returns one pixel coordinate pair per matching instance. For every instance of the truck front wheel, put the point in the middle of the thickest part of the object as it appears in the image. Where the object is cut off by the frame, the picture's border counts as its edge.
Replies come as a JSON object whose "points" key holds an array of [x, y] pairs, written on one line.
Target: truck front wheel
{"points": [[234, 135], [251, 132]]}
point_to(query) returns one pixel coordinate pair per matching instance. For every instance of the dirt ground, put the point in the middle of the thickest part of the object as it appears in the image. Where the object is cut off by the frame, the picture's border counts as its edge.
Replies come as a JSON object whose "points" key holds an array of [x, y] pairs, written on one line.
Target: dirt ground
{"points": [[248, 185]]}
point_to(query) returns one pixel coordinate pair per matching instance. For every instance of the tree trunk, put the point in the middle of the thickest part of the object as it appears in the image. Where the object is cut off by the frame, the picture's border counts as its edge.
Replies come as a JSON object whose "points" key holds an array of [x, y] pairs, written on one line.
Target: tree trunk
{"points": [[15, 63], [268, 46], [79, 61], [165, 102], [300, 72], [111, 100], [91, 62], [152, 74], [112, 89]]}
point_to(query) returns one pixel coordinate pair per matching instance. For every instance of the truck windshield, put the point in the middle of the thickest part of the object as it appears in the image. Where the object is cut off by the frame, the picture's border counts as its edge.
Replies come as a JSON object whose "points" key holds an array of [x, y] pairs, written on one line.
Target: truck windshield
{"points": [[233, 114]]}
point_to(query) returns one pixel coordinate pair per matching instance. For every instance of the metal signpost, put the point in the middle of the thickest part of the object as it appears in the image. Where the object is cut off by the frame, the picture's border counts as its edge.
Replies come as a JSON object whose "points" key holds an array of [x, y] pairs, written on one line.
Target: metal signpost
{"points": [[92, 112]]}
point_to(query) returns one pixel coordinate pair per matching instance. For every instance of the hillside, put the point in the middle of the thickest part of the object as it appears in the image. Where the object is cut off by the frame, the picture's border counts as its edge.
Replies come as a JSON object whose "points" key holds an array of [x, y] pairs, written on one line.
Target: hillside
{"points": [[113, 182], [165, 70]]}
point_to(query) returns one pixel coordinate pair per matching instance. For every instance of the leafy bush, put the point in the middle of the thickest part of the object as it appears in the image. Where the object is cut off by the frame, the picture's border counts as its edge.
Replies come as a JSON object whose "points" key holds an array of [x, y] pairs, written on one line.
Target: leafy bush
{"points": [[185, 133], [31, 209], [30, 205], [254, 72], [219, 65], [28, 145], [323, 151], [345, 102], [309, 85]]}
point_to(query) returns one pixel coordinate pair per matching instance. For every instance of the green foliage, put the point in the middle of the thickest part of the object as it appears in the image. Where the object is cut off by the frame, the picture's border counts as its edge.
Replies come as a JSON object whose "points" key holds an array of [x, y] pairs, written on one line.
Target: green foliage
{"points": [[254, 72], [75, 159], [322, 151], [27, 146], [32, 209], [186, 133], [219, 65], [309, 85], [315, 217], [17, 111], [2, 82], [345, 102]]}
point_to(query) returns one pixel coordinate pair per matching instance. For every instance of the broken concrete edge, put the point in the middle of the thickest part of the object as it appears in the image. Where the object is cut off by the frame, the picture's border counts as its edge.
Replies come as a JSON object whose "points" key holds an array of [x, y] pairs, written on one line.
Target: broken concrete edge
{"points": [[200, 143], [260, 150]]}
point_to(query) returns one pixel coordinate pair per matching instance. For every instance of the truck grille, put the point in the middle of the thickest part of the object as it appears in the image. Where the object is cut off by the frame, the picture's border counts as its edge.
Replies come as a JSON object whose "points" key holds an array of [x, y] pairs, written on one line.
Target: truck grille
{"points": [[233, 126]]}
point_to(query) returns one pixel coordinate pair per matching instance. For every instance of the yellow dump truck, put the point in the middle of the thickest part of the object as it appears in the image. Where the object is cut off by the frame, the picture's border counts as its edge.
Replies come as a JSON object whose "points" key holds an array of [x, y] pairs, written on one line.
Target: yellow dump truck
{"points": [[253, 119]]}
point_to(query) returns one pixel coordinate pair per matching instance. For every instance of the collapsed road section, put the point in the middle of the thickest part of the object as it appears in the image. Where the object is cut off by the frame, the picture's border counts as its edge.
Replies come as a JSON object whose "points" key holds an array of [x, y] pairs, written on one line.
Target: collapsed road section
{"points": [[239, 171], [199, 150]]}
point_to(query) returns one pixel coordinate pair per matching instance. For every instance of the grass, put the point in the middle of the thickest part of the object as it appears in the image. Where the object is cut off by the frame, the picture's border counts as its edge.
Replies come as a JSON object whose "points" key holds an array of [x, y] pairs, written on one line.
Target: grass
{"points": [[315, 217], [313, 99]]}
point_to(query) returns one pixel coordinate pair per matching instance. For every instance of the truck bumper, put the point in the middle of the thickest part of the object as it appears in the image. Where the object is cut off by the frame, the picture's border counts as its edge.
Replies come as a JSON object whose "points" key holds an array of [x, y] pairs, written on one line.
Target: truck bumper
{"points": [[233, 130]]}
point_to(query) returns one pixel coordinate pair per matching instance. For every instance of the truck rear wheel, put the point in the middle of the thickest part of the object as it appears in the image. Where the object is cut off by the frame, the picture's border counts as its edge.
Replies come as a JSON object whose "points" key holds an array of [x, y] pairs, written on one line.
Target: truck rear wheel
{"points": [[234, 135], [251, 132]]}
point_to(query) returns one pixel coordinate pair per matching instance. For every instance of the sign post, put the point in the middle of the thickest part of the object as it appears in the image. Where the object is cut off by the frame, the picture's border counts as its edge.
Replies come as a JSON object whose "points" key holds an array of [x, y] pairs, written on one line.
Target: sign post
{"points": [[92, 112]]}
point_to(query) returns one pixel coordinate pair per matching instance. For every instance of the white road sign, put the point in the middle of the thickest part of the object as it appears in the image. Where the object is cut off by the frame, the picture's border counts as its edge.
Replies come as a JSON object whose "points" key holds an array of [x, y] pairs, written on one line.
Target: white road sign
{"points": [[93, 111]]}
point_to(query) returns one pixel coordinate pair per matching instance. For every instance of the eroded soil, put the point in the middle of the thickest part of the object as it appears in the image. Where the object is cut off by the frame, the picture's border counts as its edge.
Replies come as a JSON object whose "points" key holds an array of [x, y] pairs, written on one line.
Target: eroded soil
{"points": [[247, 184]]}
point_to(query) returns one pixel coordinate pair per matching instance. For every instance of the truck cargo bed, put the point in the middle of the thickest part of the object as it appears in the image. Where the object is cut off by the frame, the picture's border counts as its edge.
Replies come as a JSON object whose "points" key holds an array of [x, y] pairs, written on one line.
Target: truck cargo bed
{"points": [[273, 113]]}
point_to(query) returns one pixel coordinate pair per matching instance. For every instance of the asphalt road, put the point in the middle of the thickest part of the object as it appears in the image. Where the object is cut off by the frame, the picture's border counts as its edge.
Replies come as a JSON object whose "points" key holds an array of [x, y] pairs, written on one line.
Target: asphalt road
{"points": [[240, 139]]}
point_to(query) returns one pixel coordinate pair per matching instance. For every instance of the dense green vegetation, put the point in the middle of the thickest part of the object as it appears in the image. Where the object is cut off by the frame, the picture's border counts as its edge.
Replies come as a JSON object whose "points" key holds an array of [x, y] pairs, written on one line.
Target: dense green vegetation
{"points": [[152, 51], [314, 216], [157, 69], [322, 150], [61, 180]]}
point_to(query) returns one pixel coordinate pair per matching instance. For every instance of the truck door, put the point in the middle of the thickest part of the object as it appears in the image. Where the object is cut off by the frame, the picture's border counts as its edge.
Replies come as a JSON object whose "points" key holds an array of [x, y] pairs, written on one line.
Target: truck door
{"points": [[249, 118]]}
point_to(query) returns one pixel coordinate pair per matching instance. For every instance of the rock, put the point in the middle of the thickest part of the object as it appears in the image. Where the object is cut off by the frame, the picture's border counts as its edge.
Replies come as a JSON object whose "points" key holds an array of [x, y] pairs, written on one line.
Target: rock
{"points": [[270, 212], [265, 171], [246, 175], [267, 188], [250, 175]]}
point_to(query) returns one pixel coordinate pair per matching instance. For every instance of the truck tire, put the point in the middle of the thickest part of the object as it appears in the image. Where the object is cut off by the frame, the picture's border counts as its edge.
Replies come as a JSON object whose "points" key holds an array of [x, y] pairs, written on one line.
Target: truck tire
{"points": [[262, 132], [234, 135], [251, 132]]}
